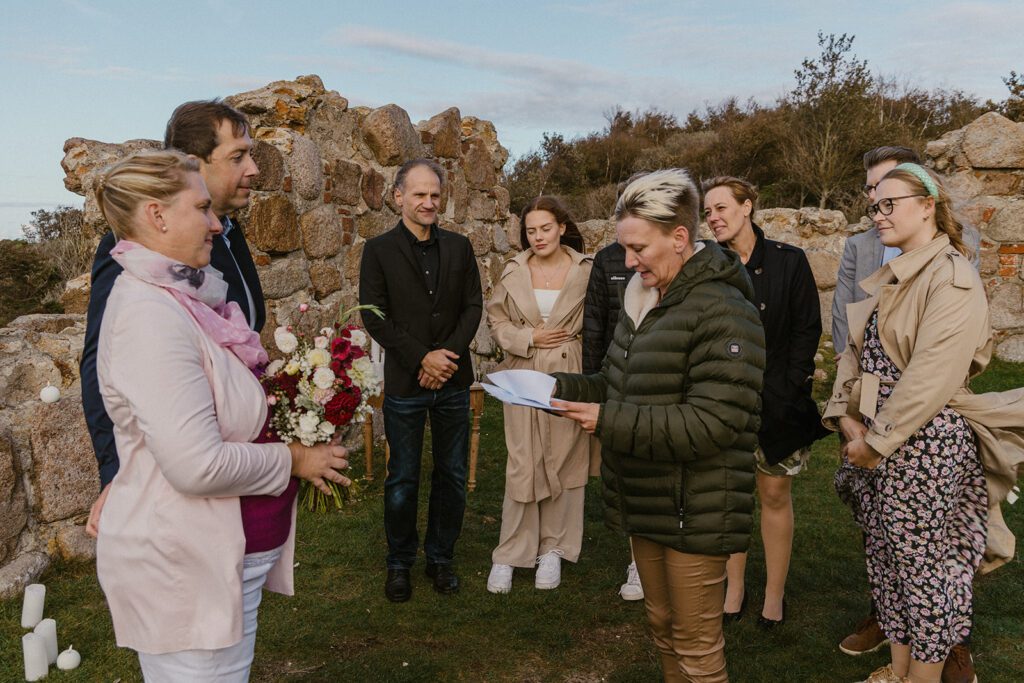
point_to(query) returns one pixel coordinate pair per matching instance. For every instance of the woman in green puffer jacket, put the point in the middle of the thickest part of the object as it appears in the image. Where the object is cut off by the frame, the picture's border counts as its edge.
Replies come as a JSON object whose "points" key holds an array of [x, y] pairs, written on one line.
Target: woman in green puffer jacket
{"points": [[676, 408]]}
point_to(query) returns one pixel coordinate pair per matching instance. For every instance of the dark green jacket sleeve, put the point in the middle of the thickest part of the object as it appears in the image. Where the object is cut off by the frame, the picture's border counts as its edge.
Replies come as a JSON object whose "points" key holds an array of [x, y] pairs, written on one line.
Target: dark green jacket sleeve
{"points": [[581, 388]]}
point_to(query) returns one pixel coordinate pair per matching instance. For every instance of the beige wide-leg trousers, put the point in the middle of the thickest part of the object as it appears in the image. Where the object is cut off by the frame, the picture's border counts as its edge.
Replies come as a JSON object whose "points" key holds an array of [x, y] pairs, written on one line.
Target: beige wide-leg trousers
{"points": [[529, 530]]}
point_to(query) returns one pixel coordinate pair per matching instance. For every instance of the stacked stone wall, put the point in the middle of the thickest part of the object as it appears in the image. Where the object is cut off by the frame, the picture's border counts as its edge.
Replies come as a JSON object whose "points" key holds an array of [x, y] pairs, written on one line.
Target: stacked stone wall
{"points": [[983, 167], [325, 186]]}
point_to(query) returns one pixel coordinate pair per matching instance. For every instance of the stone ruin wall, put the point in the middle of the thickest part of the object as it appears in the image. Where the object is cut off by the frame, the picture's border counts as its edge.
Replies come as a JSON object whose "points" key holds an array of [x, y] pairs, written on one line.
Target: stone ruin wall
{"points": [[325, 187]]}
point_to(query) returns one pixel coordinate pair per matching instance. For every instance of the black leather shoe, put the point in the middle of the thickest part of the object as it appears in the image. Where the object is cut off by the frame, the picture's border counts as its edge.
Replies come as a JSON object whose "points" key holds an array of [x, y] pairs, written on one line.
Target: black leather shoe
{"points": [[768, 624], [398, 587], [445, 580], [729, 617]]}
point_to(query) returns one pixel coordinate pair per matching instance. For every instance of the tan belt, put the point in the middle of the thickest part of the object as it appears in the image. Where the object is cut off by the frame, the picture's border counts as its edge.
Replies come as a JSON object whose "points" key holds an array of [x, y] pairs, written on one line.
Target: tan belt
{"points": [[864, 393]]}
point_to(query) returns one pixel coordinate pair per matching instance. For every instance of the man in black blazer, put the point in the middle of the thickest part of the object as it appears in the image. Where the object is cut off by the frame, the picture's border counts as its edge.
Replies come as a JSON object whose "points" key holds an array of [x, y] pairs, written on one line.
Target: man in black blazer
{"points": [[219, 136], [426, 282]]}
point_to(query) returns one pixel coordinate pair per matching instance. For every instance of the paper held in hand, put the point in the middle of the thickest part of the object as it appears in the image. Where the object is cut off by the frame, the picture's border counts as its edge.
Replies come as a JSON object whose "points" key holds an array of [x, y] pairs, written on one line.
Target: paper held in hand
{"points": [[522, 388]]}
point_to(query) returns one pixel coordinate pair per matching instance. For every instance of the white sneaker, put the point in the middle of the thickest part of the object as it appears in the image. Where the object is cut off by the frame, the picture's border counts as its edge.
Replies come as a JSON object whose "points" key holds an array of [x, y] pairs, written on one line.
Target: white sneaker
{"points": [[632, 590], [500, 578], [549, 570]]}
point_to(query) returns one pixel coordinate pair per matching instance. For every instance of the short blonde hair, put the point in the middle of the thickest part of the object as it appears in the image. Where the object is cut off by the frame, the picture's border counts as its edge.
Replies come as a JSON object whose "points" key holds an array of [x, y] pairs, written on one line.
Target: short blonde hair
{"points": [[667, 198], [144, 176]]}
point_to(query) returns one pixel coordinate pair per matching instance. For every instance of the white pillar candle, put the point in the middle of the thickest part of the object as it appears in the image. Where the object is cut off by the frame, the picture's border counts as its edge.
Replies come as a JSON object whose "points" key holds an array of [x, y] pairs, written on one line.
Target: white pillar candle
{"points": [[35, 657], [32, 608], [47, 630], [69, 659], [49, 394]]}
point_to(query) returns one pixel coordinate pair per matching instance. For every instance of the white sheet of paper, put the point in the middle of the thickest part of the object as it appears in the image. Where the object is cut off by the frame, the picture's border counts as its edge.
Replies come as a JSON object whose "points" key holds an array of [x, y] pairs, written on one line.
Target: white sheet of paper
{"points": [[522, 388]]}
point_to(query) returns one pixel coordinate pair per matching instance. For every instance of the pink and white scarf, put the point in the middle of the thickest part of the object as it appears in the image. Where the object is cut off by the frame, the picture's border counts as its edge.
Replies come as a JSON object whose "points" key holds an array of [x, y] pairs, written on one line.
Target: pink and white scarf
{"points": [[202, 292]]}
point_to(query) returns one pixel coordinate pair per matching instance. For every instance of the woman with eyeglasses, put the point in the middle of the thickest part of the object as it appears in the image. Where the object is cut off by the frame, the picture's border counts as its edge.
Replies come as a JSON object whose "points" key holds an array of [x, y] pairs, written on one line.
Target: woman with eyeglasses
{"points": [[912, 466], [787, 301]]}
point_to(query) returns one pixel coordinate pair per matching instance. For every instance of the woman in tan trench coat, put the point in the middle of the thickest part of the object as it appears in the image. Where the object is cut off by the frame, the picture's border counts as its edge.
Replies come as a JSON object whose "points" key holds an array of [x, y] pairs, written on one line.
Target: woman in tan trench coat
{"points": [[926, 461], [536, 316]]}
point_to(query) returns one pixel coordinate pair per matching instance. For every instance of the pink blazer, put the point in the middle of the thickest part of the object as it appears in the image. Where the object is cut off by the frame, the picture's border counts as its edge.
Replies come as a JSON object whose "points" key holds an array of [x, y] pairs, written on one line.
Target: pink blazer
{"points": [[169, 553]]}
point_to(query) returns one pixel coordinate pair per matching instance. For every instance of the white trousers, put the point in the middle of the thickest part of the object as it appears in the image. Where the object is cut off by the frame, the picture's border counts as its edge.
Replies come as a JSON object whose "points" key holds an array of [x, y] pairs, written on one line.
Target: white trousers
{"points": [[228, 664]]}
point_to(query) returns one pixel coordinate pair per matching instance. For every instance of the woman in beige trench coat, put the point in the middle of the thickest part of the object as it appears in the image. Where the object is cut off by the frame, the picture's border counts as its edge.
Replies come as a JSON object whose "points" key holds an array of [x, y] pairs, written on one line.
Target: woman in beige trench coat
{"points": [[536, 316], [926, 462]]}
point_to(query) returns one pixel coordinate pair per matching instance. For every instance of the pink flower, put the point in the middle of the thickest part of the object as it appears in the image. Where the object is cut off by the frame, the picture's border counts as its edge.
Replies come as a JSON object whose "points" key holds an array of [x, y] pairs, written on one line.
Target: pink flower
{"points": [[271, 400], [303, 308]]}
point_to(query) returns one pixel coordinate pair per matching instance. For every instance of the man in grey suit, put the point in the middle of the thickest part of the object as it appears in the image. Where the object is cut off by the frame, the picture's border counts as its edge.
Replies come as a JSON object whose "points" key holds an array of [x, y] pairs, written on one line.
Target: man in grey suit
{"points": [[863, 255]]}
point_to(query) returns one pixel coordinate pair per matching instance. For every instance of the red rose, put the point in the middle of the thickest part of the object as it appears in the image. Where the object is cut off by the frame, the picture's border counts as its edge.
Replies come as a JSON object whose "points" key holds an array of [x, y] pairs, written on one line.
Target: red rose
{"points": [[340, 410], [340, 348], [289, 384]]}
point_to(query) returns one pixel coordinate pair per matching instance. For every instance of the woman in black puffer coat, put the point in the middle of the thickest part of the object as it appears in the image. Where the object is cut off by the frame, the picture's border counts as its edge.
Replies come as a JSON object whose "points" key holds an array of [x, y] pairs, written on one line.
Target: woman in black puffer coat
{"points": [[787, 299], [676, 408]]}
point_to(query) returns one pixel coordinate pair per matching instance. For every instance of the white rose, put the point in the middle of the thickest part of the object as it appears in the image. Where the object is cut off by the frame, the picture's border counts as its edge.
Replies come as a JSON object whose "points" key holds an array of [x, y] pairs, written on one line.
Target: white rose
{"points": [[275, 367], [320, 342], [323, 378], [285, 340], [358, 337], [323, 396], [318, 358], [326, 428], [363, 373], [309, 422]]}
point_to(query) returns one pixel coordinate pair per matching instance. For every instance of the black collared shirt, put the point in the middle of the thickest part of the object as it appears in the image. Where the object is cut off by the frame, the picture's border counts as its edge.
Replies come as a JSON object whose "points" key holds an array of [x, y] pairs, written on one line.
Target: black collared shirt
{"points": [[428, 256]]}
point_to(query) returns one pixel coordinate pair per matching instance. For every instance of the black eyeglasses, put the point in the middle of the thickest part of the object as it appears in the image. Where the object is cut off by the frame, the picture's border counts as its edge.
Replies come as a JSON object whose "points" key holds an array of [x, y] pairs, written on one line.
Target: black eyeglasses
{"points": [[868, 189], [884, 206]]}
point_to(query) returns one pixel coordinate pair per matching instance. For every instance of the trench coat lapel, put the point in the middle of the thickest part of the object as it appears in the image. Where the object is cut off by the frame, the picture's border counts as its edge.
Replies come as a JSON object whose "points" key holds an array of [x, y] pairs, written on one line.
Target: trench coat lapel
{"points": [[518, 284], [571, 296]]}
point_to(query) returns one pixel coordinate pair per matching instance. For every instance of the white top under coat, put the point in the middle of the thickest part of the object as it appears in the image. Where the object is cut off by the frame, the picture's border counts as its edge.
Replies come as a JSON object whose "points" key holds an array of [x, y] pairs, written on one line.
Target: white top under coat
{"points": [[546, 299]]}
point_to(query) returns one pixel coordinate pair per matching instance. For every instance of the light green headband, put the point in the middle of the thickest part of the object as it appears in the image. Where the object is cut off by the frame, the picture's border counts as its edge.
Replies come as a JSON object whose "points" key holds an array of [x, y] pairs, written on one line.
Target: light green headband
{"points": [[922, 175]]}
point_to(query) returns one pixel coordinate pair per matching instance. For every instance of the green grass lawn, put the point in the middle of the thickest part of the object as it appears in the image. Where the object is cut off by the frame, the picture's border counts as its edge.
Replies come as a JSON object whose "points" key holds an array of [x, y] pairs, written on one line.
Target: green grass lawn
{"points": [[339, 627]]}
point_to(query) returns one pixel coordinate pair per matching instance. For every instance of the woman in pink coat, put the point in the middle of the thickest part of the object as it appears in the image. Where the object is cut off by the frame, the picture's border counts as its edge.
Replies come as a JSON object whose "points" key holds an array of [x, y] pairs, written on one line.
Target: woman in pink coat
{"points": [[176, 364]]}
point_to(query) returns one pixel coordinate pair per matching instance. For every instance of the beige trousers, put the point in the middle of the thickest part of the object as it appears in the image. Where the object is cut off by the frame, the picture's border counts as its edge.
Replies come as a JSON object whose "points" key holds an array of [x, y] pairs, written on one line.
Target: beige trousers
{"points": [[683, 595], [529, 530]]}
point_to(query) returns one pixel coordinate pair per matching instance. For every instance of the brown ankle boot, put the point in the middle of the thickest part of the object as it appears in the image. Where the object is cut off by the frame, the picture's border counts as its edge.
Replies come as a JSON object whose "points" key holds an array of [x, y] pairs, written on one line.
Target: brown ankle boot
{"points": [[959, 666], [867, 637]]}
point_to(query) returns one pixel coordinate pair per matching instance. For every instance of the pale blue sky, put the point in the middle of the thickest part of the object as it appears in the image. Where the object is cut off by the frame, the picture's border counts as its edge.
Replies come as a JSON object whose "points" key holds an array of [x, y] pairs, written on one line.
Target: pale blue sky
{"points": [[113, 70]]}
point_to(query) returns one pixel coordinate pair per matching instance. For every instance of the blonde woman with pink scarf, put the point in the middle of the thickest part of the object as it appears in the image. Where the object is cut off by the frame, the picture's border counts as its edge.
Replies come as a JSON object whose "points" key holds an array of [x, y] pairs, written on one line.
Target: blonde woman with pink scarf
{"points": [[177, 372]]}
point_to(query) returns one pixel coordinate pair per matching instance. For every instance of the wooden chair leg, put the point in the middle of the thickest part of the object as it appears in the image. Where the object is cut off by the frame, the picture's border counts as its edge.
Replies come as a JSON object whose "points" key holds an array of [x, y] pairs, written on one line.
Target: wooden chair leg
{"points": [[476, 404], [368, 447]]}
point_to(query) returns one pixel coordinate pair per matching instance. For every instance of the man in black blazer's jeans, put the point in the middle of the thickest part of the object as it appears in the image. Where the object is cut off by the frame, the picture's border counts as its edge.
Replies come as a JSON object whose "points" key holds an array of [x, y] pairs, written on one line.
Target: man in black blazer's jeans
{"points": [[219, 136], [426, 282]]}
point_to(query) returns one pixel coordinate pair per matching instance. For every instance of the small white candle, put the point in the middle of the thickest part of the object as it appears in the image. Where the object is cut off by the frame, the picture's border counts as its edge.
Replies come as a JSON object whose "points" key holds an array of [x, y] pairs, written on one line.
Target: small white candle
{"points": [[49, 394], [47, 630], [32, 608], [35, 657], [69, 659]]}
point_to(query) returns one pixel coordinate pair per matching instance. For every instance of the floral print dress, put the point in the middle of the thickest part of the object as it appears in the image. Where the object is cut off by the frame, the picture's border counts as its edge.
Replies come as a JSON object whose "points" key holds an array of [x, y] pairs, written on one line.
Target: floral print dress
{"points": [[923, 511]]}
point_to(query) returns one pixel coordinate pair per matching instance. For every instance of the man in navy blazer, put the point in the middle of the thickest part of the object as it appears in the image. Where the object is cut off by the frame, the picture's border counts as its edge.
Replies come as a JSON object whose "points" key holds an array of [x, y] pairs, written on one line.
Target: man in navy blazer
{"points": [[426, 282], [219, 136]]}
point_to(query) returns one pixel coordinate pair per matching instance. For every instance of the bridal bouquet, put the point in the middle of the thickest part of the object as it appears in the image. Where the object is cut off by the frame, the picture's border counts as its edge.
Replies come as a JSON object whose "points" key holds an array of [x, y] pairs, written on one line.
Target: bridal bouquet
{"points": [[323, 382]]}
